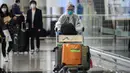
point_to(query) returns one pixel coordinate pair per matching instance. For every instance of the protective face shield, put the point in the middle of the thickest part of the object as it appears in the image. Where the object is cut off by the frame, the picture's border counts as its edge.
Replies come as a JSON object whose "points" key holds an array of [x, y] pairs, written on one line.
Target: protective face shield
{"points": [[33, 6], [70, 12], [4, 10]]}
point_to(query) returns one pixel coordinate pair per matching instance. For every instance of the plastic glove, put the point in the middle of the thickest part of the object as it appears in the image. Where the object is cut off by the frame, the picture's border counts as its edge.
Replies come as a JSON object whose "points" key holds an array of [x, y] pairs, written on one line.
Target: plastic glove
{"points": [[58, 32]]}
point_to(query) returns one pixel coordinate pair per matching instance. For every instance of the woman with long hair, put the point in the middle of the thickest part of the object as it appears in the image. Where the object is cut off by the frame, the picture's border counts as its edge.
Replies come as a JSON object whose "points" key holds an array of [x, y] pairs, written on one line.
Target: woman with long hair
{"points": [[7, 35]]}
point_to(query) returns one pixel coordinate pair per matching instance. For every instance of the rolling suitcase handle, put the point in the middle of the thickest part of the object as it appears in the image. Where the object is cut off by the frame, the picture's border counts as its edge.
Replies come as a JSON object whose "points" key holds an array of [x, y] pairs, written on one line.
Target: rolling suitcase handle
{"points": [[22, 27]]}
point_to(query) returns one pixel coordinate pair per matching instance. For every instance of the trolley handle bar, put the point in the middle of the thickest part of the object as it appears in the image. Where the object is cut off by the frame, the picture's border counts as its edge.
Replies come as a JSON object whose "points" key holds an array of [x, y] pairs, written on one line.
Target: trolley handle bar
{"points": [[82, 29]]}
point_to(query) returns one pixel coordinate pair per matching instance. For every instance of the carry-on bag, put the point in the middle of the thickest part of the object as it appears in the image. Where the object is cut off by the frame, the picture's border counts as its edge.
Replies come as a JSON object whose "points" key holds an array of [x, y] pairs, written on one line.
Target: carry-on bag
{"points": [[20, 39], [71, 54]]}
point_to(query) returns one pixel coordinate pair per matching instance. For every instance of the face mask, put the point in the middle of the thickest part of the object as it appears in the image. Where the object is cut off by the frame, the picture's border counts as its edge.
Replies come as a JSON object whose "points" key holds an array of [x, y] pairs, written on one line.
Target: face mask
{"points": [[33, 6], [4, 9], [70, 12], [18, 4]]}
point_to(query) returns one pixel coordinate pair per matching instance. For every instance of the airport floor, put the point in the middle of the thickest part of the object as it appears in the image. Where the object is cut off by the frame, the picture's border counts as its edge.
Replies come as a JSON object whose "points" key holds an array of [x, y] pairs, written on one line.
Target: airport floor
{"points": [[109, 44], [44, 61]]}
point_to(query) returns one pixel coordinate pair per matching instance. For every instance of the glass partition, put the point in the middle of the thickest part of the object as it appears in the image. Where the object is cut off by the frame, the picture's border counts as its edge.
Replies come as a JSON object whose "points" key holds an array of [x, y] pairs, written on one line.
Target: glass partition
{"points": [[108, 35]]}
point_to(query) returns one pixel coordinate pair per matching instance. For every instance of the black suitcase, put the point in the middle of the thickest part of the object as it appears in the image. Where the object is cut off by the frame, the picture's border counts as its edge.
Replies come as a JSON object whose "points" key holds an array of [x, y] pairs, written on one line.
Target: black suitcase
{"points": [[20, 40], [22, 47]]}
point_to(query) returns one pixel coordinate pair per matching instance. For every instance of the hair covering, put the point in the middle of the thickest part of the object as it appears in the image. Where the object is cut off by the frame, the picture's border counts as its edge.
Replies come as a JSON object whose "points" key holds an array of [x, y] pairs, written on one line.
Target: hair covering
{"points": [[70, 6]]}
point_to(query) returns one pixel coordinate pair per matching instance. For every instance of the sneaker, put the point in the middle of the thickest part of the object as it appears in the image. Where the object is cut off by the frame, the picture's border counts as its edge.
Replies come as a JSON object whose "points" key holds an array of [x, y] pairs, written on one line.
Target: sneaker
{"points": [[21, 53], [37, 50], [6, 59], [25, 53]]}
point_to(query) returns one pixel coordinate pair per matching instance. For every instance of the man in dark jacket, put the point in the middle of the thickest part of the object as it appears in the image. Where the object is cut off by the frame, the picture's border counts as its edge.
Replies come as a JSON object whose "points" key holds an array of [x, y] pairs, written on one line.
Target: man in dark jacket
{"points": [[15, 11], [34, 18]]}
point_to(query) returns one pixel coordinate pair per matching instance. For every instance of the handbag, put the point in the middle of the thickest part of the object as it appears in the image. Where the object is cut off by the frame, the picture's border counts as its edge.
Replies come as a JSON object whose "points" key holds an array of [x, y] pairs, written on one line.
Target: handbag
{"points": [[42, 33]]}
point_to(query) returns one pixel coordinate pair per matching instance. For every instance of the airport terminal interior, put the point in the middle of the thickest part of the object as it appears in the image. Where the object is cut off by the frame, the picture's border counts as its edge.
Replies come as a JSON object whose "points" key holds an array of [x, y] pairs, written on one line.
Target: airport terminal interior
{"points": [[106, 32]]}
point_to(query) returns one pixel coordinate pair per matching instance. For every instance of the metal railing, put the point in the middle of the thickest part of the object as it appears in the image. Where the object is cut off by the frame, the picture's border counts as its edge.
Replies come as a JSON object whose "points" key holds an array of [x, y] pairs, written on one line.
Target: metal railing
{"points": [[121, 62]]}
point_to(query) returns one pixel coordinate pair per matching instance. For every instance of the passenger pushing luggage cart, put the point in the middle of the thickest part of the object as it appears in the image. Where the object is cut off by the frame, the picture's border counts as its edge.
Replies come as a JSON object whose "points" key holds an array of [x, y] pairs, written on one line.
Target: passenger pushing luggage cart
{"points": [[71, 54]]}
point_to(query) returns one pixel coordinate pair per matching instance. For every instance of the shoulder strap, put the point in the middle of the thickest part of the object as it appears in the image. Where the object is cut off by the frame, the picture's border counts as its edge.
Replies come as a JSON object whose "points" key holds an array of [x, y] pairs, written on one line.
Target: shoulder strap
{"points": [[74, 21]]}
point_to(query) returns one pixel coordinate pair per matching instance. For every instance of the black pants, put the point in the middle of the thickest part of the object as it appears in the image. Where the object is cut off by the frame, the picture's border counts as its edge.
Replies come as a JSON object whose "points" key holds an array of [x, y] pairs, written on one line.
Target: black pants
{"points": [[4, 47], [33, 35], [37, 42]]}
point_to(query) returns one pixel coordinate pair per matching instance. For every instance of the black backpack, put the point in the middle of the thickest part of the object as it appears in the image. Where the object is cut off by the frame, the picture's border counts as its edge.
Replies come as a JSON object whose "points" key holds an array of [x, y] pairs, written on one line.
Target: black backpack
{"points": [[68, 29]]}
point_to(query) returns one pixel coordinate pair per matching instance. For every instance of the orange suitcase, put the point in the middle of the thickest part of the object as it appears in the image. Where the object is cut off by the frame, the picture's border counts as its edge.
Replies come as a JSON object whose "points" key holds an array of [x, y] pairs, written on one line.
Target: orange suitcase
{"points": [[71, 54]]}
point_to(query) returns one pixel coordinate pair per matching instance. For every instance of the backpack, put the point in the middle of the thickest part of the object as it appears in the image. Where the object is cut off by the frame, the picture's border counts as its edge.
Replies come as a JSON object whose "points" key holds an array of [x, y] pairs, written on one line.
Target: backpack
{"points": [[68, 29]]}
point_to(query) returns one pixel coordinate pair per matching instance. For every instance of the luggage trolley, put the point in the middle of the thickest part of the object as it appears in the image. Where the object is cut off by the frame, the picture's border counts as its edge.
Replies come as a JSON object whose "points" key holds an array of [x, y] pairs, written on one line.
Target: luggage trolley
{"points": [[60, 66]]}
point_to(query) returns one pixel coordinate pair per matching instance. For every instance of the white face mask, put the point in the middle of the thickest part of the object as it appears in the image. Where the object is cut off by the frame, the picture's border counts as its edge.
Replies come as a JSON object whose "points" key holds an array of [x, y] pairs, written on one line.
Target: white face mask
{"points": [[18, 4], [4, 10], [33, 6]]}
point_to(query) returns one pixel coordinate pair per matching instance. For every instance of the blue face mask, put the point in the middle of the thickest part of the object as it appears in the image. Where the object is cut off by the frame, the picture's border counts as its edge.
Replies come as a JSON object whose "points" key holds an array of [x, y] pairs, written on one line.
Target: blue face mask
{"points": [[70, 12]]}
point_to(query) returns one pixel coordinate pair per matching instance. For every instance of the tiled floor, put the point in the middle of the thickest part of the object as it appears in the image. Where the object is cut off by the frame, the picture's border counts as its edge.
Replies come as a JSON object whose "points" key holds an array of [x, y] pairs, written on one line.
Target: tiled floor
{"points": [[43, 62]]}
